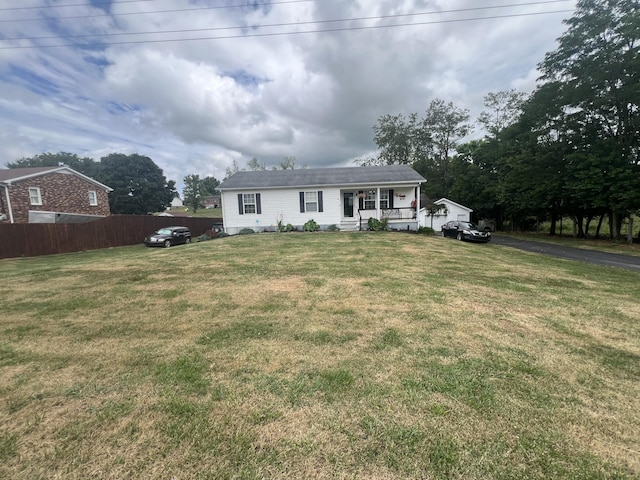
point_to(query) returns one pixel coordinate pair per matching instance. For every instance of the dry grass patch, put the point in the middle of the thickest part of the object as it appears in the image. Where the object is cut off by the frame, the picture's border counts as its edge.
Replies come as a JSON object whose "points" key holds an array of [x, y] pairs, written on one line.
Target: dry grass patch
{"points": [[374, 355]]}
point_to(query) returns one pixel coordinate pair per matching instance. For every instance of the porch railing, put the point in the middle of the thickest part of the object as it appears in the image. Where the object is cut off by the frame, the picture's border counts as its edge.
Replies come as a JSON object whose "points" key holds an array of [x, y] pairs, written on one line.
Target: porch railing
{"points": [[391, 214]]}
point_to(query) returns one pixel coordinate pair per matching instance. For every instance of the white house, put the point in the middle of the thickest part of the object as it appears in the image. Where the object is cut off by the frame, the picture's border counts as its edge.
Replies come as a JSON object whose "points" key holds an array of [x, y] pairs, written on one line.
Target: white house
{"points": [[449, 210], [345, 197]]}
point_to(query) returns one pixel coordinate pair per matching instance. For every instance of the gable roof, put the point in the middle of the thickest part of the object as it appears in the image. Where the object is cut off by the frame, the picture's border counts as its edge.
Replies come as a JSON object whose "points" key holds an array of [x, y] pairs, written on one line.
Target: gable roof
{"points": [[12, 175], [315, 177], [451, 202]]}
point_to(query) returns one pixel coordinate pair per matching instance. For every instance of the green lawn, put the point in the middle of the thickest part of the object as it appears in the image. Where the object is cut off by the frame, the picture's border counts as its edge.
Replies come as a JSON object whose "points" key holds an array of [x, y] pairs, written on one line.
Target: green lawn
{"points": [[327, 355]]}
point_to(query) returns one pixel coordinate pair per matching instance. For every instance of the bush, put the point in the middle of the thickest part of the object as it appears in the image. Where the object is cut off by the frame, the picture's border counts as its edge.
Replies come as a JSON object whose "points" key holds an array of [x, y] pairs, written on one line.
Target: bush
{"points": [[246, 231], [426, 231], [377, 225], [204, 237], [288, 228], [311, 226], [333, 228]]}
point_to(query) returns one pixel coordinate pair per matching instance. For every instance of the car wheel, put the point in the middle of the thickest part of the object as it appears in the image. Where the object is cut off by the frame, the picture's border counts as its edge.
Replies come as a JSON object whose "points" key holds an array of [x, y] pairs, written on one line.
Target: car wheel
{"points": [[459, 237], [167, 243], [187, 241]]}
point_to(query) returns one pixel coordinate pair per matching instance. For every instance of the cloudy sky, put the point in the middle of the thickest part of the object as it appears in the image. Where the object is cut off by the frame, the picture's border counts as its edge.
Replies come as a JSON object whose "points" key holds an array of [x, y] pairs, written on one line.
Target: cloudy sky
{"points": [[197, 84]]}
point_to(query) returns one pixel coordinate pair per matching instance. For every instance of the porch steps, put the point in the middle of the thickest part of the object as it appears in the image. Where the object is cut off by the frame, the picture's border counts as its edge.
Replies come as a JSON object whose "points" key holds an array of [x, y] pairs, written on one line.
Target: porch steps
{"points": [[349, 226]]}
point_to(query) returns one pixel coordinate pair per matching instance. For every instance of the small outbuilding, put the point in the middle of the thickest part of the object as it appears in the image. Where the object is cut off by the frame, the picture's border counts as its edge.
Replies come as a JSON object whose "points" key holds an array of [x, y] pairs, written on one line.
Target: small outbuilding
{"points": [[442, 211]]}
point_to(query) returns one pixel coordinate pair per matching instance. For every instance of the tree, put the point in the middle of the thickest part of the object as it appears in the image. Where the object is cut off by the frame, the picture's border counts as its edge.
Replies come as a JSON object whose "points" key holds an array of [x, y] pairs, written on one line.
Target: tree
{"points": [[85, 165], [234, 168], [139, 186], [289, 163], [193, 192], [504, 109], [399, 139], [256, 165], [598, 65], [445, 125], [210, 186]]}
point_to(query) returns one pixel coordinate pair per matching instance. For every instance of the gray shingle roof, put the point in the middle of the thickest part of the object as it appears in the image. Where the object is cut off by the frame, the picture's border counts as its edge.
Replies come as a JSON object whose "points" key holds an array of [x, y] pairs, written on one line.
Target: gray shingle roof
{"points": [[14, 173], [312, 177]]}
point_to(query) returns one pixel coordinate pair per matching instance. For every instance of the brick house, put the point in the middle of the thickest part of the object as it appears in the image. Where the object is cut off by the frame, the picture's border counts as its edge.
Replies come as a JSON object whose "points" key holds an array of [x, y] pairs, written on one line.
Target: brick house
{"points": [[51, 195]]}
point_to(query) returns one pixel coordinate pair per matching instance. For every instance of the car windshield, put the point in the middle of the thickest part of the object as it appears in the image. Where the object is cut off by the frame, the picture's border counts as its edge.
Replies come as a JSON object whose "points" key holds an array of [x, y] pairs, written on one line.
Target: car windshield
{"points": [[468, 225], [164, 231]]}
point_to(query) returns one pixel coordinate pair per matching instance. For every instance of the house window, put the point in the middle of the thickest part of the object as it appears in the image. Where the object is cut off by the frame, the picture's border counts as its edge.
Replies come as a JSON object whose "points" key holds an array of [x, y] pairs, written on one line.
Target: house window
{"points": [[93, 198], [311, 201], [370, 200], [34, 196], [249, 203], [384, 199]]}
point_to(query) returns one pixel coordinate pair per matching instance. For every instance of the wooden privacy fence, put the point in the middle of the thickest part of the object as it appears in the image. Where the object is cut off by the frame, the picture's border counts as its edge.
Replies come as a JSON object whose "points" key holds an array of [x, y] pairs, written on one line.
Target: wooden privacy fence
{"points": [[34, 239]]}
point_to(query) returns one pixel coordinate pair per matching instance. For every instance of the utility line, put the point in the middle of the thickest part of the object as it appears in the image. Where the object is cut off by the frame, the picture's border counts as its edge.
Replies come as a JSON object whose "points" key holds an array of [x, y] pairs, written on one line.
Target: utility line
{"points": [[73, 5], [176, 10], [381, 17], [218, 7], [276, 34]]}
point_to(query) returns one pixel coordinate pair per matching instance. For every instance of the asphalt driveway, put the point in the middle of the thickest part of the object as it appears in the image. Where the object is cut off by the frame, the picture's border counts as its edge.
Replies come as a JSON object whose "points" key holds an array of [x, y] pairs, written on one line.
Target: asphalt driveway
{"points": [[595, 257]]}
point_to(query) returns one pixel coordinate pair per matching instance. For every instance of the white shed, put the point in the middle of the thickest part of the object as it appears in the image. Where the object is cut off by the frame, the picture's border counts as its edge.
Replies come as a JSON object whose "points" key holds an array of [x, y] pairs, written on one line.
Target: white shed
{"points": [[176, 202], [450, 211]]}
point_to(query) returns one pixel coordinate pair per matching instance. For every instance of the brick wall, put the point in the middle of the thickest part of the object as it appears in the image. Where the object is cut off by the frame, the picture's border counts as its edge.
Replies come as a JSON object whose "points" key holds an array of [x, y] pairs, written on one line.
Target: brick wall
{"points": [[60, 192]]}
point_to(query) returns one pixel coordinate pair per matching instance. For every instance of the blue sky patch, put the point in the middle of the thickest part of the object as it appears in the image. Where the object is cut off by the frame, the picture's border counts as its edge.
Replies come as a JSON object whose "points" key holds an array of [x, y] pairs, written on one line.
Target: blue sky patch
{"points": [[101, 4], [244, 78], [33, 82]]}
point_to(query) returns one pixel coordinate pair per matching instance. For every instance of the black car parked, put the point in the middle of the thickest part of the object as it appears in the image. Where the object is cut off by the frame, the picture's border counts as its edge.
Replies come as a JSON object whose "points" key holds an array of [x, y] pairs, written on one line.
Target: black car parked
{"points": [[165, 237], [465, 231]]}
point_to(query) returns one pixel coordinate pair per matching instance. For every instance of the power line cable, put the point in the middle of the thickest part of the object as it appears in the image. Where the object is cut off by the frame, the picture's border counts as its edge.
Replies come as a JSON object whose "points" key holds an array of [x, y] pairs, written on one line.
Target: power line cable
{"points": [[275, 34], [93, 4], [290, 24], [176, 10]]}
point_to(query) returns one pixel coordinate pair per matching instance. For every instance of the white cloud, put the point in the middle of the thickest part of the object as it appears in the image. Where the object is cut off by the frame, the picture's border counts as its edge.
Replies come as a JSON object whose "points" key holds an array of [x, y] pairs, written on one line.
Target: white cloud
{"points": [[196, 106]]}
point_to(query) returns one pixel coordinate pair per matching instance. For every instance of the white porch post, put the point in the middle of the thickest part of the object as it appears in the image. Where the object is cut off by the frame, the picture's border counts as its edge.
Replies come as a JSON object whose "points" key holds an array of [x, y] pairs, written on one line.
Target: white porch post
{"points": [[378, 203], [418, 208]]}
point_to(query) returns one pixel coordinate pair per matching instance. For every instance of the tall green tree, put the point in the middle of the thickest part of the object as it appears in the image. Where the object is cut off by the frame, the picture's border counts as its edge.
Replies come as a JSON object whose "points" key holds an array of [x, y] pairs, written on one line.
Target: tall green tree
{"points": [[85, 165], [210, 186], [139, 185], [400, 140], [193, 192], [502, 109], [445, 125], [598, 64]]}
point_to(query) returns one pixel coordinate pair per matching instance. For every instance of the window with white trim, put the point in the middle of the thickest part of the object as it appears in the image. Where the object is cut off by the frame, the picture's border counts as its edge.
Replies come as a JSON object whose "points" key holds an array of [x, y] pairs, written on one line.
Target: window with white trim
{"points": [[310, 201], [370, 200], [249, 202], [93, 198], [384, 199], [34, 196]]}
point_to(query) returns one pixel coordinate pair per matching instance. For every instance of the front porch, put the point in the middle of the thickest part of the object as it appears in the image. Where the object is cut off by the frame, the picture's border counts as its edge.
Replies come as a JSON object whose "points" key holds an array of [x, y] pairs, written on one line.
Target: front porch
{"points": [[401, 218], [395, 206]]}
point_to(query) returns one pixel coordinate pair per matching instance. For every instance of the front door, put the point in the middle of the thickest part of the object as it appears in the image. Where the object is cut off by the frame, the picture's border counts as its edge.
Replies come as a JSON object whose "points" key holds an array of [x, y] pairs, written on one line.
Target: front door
{"points": [[347, 203]]}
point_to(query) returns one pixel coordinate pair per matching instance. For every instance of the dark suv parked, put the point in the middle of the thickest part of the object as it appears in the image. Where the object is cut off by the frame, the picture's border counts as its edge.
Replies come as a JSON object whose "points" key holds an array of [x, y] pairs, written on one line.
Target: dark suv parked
{"points": [[165, 237], [465, 231]]}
